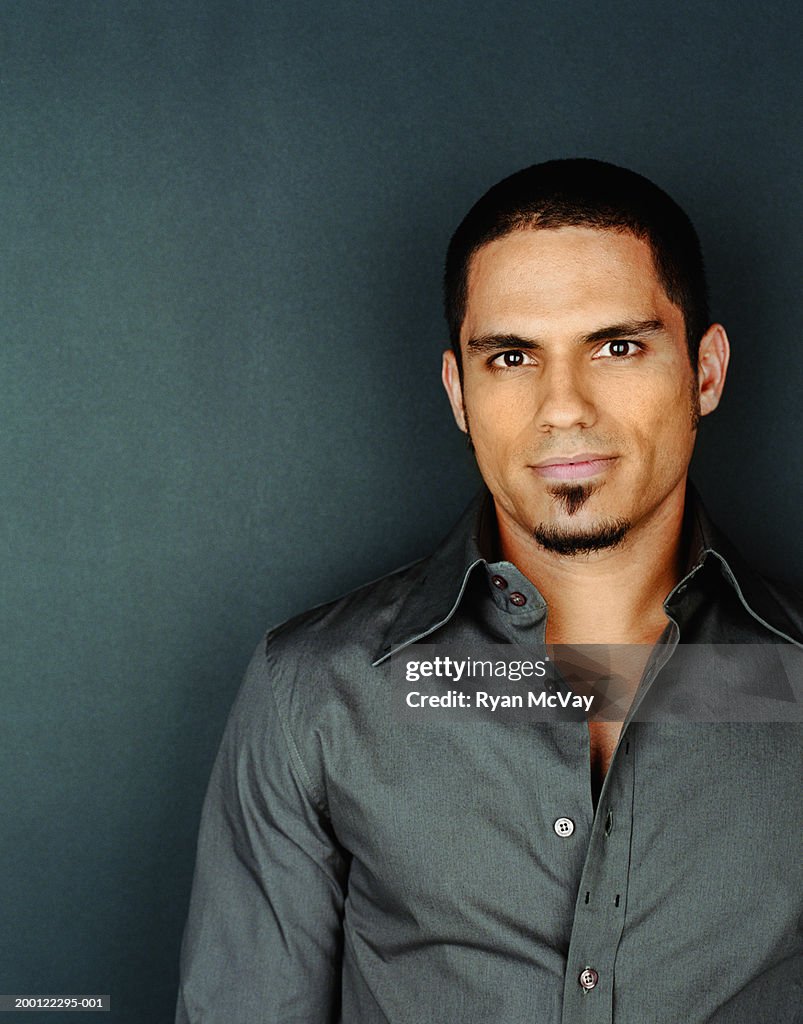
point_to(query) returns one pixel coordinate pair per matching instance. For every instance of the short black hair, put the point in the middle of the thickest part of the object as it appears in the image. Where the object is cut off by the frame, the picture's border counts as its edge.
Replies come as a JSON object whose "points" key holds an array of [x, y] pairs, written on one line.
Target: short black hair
{"points": [[589, 193]]}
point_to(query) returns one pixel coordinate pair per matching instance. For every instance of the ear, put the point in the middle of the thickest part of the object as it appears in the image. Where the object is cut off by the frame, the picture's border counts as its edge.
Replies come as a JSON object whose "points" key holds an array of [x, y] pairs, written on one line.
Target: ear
{"points": [[450, 375], [712, 365]]}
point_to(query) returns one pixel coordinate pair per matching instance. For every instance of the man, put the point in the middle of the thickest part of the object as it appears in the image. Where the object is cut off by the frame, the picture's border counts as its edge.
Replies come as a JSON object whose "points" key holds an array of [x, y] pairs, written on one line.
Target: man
{"points": [[355, 865]]}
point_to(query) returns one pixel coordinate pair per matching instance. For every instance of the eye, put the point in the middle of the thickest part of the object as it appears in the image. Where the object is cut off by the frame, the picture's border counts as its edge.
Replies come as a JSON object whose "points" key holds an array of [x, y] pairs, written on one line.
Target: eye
{"points": [[618, 349], [511, 359]]}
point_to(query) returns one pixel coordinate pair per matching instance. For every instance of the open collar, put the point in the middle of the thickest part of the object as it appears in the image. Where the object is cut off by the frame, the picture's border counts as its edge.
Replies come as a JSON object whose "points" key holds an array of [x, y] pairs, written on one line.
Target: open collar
{"points": [[436, 588]]}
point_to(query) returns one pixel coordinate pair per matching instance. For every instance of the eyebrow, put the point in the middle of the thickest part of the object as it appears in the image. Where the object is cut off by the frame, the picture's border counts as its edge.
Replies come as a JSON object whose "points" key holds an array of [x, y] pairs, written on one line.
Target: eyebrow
{"points": [[625, 329]]}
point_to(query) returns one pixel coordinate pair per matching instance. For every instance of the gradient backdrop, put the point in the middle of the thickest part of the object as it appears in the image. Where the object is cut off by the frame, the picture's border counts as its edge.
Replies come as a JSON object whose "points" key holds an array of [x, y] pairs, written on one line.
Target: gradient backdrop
{"points": [[223, 226]]}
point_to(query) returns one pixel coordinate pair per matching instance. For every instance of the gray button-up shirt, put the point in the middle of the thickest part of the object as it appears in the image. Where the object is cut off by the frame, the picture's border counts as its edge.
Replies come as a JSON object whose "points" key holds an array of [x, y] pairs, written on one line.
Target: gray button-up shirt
{"points": [[360, 867]]}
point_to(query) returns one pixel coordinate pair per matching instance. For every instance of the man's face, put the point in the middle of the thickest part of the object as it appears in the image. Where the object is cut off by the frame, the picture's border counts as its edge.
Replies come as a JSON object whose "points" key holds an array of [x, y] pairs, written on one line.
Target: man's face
{"points": [[577, 387]]}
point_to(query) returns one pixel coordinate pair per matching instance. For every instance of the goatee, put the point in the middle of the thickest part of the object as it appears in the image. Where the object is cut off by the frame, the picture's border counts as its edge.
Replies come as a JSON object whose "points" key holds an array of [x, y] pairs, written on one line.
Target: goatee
{"points": [[607, 534]]}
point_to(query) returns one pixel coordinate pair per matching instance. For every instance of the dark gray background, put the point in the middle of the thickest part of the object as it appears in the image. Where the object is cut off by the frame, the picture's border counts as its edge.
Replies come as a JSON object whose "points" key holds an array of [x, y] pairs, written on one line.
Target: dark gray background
{"points": [[223, 227]]}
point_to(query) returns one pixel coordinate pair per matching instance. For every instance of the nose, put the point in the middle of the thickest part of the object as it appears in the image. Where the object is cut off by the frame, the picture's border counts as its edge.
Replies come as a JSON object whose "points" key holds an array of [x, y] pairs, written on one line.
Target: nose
{"points": [[564, 401]]}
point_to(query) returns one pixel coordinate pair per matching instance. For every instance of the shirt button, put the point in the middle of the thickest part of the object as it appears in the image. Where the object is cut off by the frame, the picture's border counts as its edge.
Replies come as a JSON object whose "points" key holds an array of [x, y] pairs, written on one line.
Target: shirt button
{"points": [[517, 599], [564, 827], [588, 978], [499, 581]]}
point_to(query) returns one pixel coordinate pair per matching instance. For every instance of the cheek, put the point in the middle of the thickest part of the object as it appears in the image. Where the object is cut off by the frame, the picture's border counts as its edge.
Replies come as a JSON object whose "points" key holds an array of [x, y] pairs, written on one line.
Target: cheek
{"points": [[662, 427], [500, 422], [496, 436]]}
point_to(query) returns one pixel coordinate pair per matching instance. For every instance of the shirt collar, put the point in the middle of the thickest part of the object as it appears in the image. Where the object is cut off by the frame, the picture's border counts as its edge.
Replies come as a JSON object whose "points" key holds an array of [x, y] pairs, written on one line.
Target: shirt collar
{"points": [[757, 596], [436, 588], [438, 585]]}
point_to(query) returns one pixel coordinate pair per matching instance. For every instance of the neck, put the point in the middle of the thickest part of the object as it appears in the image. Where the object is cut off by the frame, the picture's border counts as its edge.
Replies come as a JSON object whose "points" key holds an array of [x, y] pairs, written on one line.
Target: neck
{"points": [[614, 596]]}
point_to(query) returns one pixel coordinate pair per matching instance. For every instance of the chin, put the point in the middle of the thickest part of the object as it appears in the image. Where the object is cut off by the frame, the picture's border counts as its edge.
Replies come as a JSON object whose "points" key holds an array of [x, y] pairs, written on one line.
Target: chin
{"points": [[576, 539]]}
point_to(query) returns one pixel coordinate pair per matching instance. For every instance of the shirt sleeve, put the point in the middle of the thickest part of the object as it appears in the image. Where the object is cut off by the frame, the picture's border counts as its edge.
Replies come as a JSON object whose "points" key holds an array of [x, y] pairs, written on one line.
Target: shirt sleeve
{"points": [[263, 940]]}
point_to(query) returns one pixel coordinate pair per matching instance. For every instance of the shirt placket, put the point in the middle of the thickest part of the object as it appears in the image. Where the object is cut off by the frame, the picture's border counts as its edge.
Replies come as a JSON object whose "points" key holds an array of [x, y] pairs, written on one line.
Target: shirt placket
{"points": [[599, 917], [602, 897]]}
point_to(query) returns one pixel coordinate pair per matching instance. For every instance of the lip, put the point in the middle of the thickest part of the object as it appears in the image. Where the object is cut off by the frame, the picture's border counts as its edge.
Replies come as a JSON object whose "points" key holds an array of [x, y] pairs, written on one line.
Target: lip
{"points": [[574, 467]]}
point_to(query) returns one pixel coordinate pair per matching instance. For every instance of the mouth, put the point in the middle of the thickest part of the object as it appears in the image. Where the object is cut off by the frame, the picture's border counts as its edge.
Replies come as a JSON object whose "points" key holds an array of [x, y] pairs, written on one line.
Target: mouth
{"points": [[574, 467]]}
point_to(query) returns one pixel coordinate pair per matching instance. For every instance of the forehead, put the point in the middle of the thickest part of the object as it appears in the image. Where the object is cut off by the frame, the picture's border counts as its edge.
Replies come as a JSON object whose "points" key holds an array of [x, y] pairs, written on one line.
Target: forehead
{"points": [[568, 277]]}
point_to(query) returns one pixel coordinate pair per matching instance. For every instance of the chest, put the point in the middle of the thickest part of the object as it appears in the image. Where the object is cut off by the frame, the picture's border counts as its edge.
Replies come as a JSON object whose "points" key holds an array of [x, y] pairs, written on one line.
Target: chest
{"points": [[603, 737]]}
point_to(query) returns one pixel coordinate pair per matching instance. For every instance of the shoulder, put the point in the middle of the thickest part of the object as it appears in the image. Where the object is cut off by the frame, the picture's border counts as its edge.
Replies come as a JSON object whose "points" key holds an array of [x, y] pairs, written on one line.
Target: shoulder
{"points": [[302, 664], [354, 624], [788, 599], [309, 676]]}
